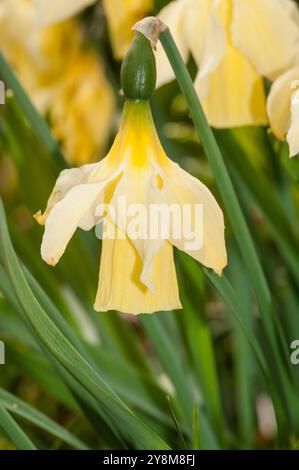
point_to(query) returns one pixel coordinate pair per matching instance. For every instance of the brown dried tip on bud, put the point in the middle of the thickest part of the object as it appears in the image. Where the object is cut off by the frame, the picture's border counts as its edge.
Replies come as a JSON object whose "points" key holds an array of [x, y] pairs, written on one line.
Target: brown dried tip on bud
{"points": [[151, 27]]}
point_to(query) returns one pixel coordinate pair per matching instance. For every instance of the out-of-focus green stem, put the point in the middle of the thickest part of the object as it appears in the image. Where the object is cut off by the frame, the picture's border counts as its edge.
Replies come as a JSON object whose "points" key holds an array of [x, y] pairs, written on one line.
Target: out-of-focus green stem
{"points": [[38, 124], [233, 210]]}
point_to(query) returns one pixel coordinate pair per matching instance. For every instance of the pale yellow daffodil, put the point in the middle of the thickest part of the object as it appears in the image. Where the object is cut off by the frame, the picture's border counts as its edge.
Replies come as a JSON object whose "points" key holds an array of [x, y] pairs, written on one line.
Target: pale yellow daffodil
{"points": [[283, 108], [121, 16], [137, 274], [235, 43], [63, 78]]}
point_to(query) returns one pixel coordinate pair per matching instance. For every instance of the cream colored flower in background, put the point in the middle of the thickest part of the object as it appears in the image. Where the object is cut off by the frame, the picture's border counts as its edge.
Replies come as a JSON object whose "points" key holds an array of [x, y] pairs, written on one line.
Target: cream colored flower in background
{"points": [[283, 108], [121, 17], [136, 275], [235, 43], [63, 78]]}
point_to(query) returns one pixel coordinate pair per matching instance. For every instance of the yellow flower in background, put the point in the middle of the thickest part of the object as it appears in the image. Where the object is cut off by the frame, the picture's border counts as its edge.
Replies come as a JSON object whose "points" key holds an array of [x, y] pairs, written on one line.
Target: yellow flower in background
{"points": [[137, 274], [121, 16], [283, 108], [79, 106], [235, 43], [63, 78], [58, 10]]}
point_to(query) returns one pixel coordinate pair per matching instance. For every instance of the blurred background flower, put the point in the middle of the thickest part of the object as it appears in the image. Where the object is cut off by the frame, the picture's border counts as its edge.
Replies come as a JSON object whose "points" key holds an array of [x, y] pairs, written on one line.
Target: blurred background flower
{"points": [[234, 44], [283, 108], [65, 78]]}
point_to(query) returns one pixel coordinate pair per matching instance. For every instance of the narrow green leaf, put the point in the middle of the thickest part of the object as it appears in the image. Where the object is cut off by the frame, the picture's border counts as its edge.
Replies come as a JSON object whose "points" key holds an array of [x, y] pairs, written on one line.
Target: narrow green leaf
{"points": [[171, 363], [14, 432], [18, 407], [196, 439]]}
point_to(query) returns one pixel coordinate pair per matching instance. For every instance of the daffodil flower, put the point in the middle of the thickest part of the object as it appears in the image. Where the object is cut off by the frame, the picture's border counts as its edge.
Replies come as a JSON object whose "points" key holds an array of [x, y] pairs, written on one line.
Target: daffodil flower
{"points": [[137, 274], [283, 108], [235, 43]]}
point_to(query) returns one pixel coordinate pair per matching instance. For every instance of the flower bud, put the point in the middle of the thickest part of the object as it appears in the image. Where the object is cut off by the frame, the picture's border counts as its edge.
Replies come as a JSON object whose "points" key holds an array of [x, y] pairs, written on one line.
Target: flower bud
{"points": [[138, 72]]}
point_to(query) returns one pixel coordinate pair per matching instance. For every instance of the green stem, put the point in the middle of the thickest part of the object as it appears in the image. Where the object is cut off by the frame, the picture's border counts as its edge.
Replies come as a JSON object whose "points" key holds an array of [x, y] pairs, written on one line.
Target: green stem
{"points": [[231, 203]]}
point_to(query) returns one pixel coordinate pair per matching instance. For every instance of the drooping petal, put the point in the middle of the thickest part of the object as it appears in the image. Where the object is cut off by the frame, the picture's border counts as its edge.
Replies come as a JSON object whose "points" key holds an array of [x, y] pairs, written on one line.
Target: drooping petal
{"points": [[266, 33], [206, 39], [293, 134], [236, 93], [65, 181], [120, 287], [279, 102], [200, 229], [76, 209], [174, 16], [64, 219], [57, 10]]}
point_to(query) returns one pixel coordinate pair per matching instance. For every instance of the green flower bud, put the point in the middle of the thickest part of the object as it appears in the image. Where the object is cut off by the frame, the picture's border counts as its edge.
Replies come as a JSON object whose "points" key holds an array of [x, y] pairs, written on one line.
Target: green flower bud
{"points": [[138, 71]]}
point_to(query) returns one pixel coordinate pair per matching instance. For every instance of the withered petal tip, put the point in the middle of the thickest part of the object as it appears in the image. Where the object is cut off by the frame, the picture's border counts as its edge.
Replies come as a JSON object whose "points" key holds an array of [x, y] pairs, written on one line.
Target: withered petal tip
{"points": [[151, 27]]}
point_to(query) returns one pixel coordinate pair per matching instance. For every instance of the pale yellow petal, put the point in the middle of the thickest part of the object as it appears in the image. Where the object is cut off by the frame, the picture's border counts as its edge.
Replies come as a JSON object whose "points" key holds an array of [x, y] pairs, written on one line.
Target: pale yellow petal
{"points": [[174, 16], [266, 33], [64, 219], [200, 237], [207, 41], [293, 132], [121, 17], [76, 209], [57, 10], [279, 102], [236, 93], [120, 287], [65, 181]]}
